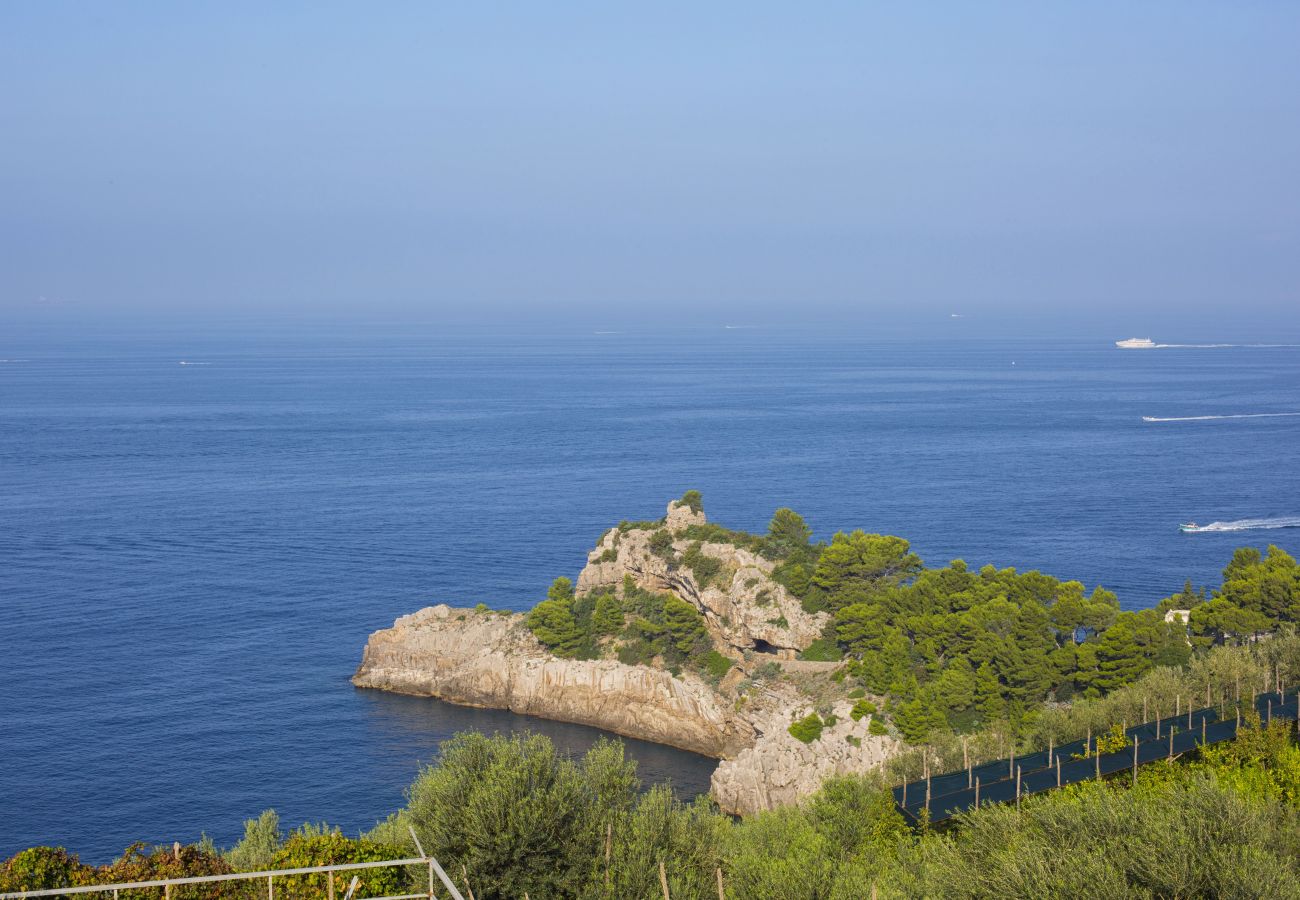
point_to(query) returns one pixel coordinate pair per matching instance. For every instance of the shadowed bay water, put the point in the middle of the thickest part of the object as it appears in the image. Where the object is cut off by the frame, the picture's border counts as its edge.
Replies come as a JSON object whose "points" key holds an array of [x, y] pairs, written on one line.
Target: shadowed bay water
{"points": [[191, 556]]}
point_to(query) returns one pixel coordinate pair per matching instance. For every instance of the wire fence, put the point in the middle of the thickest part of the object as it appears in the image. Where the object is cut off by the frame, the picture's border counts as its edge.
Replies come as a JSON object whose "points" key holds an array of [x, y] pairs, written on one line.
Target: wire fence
{"points": [[941, 797]]}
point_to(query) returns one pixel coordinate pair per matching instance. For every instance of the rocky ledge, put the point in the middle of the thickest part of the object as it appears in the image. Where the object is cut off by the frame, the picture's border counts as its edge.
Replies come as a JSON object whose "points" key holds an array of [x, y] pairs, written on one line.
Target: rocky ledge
{"points": [[488, 659]]}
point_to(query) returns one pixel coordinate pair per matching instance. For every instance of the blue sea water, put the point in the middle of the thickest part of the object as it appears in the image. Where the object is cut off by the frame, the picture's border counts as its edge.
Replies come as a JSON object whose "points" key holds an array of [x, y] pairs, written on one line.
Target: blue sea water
{"points": [[191, 556]]}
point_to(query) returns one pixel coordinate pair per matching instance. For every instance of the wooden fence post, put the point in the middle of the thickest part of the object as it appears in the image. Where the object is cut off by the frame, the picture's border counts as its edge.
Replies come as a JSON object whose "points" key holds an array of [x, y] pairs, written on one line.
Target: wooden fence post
{"points": [[663, 880], [1058, 771], [721, 894], [1135, 760], [1017, 788], [977, 793]]}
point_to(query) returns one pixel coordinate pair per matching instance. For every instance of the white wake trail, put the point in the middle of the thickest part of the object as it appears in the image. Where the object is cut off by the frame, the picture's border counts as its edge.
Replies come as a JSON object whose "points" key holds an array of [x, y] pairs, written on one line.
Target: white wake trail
{"points": [[1216, 346], [1281, 415], [1252, 524]]}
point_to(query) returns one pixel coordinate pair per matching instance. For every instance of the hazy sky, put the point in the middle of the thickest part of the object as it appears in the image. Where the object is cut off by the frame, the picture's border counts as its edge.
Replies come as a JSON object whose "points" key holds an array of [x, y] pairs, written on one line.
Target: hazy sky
{"points": [[1130, 167]]}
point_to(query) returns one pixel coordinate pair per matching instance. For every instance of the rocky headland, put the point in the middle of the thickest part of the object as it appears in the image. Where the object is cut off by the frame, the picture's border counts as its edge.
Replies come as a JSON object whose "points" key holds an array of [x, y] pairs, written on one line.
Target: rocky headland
{"points": [[737, 705]]}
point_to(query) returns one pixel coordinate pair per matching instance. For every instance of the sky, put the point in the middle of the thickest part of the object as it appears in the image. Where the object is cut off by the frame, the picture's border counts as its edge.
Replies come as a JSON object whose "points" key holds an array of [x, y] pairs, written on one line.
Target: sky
{"points": [[1123, 168]]}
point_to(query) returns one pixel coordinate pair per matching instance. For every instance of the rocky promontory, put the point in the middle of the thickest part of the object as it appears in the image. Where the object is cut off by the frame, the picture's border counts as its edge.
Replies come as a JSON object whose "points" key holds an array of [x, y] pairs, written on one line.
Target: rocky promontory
{"points": [[678, 633]]}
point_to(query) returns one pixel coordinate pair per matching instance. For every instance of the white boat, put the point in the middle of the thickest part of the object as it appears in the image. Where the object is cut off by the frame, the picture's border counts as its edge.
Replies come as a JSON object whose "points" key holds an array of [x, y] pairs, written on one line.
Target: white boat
{"points": [[1136, 344], [1192, 528]]}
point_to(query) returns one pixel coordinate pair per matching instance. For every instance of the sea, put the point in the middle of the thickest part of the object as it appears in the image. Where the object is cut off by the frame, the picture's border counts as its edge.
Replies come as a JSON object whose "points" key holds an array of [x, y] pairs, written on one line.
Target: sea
{"points": [[199, 531]]}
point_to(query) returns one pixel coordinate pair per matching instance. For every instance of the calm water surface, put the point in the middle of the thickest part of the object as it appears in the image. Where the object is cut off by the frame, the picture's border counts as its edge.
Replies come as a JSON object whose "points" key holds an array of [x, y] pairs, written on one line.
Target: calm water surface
{"points": [[192, 556]]}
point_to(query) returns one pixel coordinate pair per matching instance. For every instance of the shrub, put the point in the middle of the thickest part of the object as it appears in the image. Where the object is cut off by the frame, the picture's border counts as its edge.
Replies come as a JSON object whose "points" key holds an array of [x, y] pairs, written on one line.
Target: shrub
{"points": [[636, 652], [877, 727], [517, 814], [702, 566], [262, 838], [714, 664], [142, 863], [41, 868], [862, 708], [822, 650], [807, 729], [692, 499], [314, 846], [661, 545], [856, 693]]}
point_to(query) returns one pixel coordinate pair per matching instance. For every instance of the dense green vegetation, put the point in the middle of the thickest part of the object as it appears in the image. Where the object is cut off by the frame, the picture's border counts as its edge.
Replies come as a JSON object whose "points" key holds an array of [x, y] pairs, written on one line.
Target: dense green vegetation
{"points": [[947, 650], [509, 816]]}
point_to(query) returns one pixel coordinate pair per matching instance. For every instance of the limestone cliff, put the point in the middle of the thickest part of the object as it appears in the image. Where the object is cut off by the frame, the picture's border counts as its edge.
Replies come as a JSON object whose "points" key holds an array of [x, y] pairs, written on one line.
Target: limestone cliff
{"points": [[492, 660], [743, 607]]}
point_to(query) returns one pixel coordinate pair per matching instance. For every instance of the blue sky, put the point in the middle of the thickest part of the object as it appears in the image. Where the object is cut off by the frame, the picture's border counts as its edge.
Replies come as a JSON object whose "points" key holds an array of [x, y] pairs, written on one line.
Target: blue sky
{"points": [[1119, 167]]}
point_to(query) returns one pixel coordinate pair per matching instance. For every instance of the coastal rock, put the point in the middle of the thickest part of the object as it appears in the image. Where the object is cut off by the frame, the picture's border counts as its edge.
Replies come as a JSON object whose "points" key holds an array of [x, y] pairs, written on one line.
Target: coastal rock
{"points": [[744, 609], [491, 660], [779, 769]]}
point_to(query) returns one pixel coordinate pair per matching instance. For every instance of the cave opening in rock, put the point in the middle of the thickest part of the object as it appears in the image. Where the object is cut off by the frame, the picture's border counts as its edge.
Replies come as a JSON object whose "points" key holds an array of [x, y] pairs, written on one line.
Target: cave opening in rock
{"points": [[762, 646]]}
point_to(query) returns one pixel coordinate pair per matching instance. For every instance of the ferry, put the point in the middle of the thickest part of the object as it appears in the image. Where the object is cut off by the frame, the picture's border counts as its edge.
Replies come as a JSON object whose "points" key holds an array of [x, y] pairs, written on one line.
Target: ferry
{"points": [[1136, 344]]}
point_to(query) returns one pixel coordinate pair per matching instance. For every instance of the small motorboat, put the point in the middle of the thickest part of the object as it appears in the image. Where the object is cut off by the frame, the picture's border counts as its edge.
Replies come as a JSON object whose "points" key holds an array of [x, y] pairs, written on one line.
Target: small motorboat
{"points": [[1190, 527]]}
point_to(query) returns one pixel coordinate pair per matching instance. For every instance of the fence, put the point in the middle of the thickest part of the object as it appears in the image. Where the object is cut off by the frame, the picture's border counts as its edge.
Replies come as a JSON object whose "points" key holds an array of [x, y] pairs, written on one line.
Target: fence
{"points": [[168, 885], [938, 798]]}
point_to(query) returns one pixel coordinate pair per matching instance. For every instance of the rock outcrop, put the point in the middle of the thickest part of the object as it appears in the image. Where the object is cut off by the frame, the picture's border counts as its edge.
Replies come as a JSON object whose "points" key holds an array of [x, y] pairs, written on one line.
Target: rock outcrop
{"points": [[492, 660], [779, 769], [475, 657], [743, 607]]}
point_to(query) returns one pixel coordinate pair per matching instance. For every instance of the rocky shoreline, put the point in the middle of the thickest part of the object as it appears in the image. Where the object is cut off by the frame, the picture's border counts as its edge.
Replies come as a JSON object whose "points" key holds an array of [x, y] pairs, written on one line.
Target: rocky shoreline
{"points": [[476, 657]]}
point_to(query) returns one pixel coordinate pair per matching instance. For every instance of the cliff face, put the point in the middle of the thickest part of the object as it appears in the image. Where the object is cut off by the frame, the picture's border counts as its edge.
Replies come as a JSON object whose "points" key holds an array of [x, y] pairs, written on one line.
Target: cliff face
{"points": [[778, 769], [492, 660], [743, 607]]}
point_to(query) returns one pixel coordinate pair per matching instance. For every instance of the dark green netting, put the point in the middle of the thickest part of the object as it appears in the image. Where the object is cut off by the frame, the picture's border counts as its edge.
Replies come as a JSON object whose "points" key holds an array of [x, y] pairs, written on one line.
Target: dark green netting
{"points": [[955, 792]]}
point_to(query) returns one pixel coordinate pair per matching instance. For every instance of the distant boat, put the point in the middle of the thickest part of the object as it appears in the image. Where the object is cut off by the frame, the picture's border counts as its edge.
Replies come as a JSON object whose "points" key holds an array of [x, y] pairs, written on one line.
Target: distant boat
{"points": [[1191, 528], [1136, 344]]}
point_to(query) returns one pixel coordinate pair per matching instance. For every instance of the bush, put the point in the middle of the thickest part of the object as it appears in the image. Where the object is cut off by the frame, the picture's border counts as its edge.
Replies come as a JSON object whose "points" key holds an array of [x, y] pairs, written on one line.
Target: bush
{"points": [[661, 545], [692, 499], [714, 664], [862, 708], [807, 729], [142, 863], [822, 650], [262, 838], [704, 567], [518, 815], [323, 847], [877, 727], [41, 868]]}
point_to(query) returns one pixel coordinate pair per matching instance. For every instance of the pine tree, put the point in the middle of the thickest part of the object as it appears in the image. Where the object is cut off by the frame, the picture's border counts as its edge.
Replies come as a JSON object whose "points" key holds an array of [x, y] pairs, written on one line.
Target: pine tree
{"points": [[608, 617]]}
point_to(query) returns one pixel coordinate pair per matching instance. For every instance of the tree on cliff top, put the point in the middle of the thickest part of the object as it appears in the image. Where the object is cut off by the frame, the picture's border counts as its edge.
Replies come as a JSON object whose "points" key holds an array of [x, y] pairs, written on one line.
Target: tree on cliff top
{"points": [[788, 531], [692, 499], [553, 623]]}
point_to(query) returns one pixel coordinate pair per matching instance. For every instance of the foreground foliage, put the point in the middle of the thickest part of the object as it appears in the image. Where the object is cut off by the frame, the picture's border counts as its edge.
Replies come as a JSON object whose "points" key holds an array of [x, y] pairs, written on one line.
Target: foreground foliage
{"points": [[509, 815]]}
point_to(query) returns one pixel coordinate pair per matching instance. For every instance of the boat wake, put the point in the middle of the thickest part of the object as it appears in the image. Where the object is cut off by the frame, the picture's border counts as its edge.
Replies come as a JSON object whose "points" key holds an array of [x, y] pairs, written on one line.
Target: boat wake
{"points": [[1280, 415], [1250, 524], [1216, 346]]}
